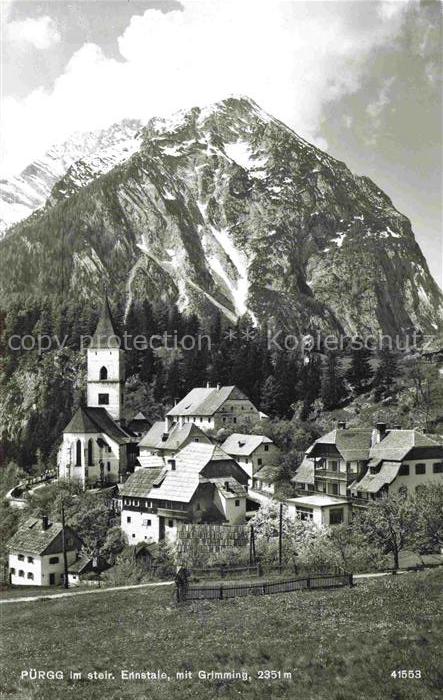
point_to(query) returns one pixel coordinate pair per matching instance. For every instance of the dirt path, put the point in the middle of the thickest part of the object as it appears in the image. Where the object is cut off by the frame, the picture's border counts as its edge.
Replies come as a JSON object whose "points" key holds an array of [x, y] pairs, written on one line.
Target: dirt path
{"points": [[71, 593]]}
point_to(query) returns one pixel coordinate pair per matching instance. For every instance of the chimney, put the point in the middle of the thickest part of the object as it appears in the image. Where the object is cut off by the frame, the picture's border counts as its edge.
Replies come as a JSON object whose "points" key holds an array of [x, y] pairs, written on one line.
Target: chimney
{"points": [[341, 425], [166, 428], [207, 385], [378, 433], [45, 522], [218, 387], [171, 463]]}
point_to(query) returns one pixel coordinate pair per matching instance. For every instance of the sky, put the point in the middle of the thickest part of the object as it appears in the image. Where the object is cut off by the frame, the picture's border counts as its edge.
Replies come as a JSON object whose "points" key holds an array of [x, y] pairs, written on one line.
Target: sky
{"points": [[360, 79]]}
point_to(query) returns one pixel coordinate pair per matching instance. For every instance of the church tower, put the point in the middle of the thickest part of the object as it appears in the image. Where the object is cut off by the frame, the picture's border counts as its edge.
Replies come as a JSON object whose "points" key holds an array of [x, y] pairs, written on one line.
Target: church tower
{"points": [[106, 370]]}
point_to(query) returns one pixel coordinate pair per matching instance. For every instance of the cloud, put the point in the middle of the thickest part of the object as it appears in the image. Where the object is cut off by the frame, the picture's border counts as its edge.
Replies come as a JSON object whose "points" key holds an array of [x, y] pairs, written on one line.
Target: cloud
{"points": [[292, 58], [42, 33]]}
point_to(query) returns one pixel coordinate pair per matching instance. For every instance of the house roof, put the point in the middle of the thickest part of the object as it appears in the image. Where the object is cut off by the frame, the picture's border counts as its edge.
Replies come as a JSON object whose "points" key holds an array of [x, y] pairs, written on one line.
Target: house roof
{"points": [[305, 472], [352, 443], [140, 483], [140, 416], [397, 444], [105, 335], [234, 489], [96, 420], [31, 537], [77, 567], [204, 401], [180, 484], [319, 501], [240, 444], [175, 437], [372, 483], [268, 473]]}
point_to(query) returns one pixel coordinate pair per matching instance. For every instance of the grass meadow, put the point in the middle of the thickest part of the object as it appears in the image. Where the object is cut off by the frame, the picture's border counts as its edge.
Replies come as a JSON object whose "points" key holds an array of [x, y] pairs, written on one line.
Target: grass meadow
{"points": [[340, 644]]}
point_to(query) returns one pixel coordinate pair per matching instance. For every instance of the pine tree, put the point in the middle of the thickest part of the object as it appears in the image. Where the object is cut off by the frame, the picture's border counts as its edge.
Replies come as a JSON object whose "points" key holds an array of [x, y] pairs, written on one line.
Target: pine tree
{"points": [[386, 373], [270, 396], [333, 390], [360, 372]]}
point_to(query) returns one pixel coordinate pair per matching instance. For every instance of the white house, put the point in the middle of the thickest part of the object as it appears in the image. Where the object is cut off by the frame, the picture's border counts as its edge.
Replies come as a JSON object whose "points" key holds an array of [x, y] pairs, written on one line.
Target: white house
{"points": [[36, 553], [201, 484], [212, 408], [252, 452], [322, 510]]}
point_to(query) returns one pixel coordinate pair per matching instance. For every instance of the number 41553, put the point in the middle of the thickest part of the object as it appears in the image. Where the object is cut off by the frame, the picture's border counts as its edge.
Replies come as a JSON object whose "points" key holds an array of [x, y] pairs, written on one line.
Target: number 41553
{"points": [[406, 673]]}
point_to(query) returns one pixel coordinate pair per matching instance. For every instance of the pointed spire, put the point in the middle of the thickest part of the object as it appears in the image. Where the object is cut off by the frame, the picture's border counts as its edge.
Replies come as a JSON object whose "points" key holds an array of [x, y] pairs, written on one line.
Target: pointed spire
{"points": [[105, 336]]}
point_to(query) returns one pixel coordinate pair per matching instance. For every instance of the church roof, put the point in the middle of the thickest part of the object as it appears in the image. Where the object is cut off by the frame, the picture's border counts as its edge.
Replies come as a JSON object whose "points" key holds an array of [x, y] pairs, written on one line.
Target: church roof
{"points": [[96, 420], [105, 335]]}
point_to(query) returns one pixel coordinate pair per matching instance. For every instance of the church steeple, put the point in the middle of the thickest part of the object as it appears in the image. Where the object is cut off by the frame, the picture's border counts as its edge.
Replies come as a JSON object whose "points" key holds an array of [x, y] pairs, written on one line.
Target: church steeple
{"points": [[106, 367]]}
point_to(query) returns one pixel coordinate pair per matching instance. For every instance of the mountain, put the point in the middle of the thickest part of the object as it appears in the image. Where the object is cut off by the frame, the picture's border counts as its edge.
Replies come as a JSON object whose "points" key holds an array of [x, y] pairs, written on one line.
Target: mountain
{"points": [[98, 151], [224, 208]]}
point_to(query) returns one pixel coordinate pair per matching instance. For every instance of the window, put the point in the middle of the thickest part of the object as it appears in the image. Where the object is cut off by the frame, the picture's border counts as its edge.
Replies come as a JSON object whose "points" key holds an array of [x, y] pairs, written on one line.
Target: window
{"points": [[259, 461], [54, 560], [12, 571], [134, 502], [235, 419], [90, 454], [109, 466], [266, 448], [146, 523], [128, 519], [420, 469], [78, 453], [30, 575], [237, 502], [170, 523], [133, 535], [305, 513], [437, 468], [108, 449], [21, 557], [30, 560], [336, 516], [103, 373], [333, 465], [334, 489], [21, 573], [103, 399], [404, 470]]}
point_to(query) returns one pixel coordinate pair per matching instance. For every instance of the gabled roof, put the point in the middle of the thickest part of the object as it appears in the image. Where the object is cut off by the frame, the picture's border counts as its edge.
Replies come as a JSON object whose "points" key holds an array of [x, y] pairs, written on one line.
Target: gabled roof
{"points": [[181, 483], [150, 461], [233, 488], [372, 483], [398, 443], [242, 444], [140, 416], [105, 335], [352, 443], [80, 565], [140, 482], [204, 401], [96, 420], [269, 473], [305, 472], [174, 438], [32, 538]]}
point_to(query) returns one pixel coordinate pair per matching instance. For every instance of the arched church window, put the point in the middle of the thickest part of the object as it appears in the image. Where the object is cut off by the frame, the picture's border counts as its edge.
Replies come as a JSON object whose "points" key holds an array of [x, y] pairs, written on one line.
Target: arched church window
{"points": [[90, 455], [103, 373], [78, 453]]}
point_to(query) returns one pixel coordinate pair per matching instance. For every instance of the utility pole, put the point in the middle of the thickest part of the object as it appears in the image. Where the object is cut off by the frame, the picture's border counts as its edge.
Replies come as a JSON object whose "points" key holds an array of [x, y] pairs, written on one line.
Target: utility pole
{"points": [[65, 557], [280, 537]]}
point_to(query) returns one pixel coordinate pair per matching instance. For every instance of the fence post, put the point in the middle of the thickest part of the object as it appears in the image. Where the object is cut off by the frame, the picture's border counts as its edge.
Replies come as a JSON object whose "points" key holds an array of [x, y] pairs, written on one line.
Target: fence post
{"points": [[221, 591], [308, 583], [351, 580]]}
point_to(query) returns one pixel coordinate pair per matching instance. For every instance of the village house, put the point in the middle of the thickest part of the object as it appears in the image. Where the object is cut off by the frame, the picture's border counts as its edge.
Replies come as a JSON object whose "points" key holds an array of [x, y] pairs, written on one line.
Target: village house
{"points": [[36, 552], [83, 567], [97, 447], [212, 408], [252, 452], [200, 484], [165, 439], [363, 464], [264, 480]]}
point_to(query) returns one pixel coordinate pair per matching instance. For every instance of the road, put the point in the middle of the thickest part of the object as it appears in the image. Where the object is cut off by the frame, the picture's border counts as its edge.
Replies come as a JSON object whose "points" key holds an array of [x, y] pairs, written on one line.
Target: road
{"points": [[72, 593]]}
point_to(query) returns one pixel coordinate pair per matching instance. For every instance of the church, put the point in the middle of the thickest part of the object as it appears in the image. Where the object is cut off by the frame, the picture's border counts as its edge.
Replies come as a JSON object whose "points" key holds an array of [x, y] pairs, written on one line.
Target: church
{"points": [[98, 447]]}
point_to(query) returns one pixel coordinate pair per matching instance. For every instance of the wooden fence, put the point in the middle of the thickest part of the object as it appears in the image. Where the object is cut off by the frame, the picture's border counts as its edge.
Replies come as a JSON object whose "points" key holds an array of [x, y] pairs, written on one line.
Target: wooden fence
{"points": [[223, 571], [189, 592]]}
